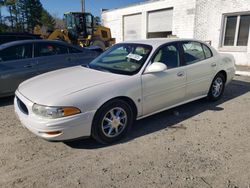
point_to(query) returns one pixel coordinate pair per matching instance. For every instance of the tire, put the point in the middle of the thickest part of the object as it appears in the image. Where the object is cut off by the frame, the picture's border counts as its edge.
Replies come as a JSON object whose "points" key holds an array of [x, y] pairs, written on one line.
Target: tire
{"points": [[217, 87], [99, 43], [108, 127]]}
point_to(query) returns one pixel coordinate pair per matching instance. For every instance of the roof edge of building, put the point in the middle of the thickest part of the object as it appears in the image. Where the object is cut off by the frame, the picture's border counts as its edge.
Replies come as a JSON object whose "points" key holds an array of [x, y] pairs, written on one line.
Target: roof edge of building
{"points": [[131, 5]]}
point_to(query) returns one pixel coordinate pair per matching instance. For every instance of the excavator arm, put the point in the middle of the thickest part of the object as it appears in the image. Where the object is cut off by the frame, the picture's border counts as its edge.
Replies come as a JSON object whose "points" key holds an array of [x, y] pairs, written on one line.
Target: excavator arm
{"points": [[57, 34]]}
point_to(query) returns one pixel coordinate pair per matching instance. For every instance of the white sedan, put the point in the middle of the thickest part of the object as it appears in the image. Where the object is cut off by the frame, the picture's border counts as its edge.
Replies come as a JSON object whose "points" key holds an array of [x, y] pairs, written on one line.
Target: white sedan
{"points": [[129, 81]]}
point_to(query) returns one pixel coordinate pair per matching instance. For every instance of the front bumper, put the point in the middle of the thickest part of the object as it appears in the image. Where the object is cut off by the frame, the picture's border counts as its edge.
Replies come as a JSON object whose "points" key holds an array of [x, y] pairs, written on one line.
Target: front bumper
{"points": [[71, 127]]}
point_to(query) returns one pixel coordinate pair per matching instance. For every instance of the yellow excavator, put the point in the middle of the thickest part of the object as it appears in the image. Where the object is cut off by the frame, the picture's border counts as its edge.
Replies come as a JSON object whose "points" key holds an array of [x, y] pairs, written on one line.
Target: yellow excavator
{"points": [[81, 29]]}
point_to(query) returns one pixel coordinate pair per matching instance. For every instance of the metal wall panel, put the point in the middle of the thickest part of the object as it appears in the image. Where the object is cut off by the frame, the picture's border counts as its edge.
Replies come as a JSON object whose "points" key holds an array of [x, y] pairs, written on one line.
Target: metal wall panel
{"points": [[132, 27], [160, 20]]}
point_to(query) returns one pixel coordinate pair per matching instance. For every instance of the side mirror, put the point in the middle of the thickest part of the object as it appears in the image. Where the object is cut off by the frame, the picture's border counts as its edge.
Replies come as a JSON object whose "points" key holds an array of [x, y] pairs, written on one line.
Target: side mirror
{"points": [[156, 67]]}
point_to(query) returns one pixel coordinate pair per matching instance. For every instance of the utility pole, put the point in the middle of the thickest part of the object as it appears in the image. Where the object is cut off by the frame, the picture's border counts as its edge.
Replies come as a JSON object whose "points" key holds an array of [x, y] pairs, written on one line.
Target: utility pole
{"points": [[83, 5]]}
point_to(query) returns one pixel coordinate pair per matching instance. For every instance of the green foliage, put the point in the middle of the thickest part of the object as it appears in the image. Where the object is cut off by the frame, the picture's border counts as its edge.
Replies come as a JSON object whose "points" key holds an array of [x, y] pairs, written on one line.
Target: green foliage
{"points": [[47, 20], [24, 15]]}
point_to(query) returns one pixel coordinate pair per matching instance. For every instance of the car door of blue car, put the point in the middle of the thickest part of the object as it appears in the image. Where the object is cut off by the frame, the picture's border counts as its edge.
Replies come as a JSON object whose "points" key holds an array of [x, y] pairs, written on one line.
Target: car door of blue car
{"points": [[16, 65], [51, 56]]}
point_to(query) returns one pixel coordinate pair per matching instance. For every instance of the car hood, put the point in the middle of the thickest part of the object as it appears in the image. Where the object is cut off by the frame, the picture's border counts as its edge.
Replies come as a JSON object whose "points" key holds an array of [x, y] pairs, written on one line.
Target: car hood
{"points": [[64, 82]]}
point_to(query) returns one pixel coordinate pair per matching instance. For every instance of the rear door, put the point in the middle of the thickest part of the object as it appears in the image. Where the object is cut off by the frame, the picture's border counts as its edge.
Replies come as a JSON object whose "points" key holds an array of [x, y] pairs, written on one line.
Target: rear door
{"points": [[16, 65], [200, 68], [51, 56]]}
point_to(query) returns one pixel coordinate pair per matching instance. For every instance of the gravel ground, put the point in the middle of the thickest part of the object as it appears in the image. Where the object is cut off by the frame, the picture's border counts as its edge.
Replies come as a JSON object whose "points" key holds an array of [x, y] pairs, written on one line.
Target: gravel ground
{"points": [[199, 144]]}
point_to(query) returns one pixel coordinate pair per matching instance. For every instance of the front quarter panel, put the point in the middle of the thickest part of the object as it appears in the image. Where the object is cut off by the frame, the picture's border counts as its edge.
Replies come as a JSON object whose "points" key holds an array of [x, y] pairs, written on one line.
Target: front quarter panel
{"points": [[91, 99]]}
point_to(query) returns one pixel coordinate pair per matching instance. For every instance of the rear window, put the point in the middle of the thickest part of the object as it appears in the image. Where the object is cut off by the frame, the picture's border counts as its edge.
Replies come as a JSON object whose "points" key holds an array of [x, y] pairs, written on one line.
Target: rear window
{"points": [[207, 51]]}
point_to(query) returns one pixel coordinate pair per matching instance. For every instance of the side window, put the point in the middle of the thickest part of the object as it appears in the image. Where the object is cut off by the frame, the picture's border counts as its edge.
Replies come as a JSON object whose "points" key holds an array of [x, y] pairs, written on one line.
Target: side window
{"points": [[193, 52], [16, 52], [169, 55], [207, 51], [45, 49], [74, 51]]}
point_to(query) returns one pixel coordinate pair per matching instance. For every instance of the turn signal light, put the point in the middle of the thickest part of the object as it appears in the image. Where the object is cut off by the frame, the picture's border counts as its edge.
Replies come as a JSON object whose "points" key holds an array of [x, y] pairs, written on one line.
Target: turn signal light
{"points": [[68, 111]]}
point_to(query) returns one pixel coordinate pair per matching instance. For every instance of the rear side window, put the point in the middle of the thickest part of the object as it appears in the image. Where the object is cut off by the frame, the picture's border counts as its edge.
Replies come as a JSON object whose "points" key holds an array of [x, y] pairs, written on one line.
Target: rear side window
{"points": [[45, 49], [207, 51], [193, 52], [16, 52]]}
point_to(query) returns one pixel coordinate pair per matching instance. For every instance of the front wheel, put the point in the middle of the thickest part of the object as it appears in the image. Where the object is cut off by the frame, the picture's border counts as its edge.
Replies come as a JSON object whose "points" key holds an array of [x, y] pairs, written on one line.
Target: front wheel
{"points": [[217, 87], [112, 121]]}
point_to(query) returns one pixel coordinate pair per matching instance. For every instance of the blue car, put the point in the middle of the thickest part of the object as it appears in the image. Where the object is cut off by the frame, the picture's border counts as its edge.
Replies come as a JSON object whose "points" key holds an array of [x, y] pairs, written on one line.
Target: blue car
{"points": [[21, 60]]}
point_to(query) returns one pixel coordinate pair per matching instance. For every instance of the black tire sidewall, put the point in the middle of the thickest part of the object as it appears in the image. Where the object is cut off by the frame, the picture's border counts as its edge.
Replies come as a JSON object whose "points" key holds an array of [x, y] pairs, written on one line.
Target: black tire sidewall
{"points": [[99, 43], [210, 95], [96, 131]]}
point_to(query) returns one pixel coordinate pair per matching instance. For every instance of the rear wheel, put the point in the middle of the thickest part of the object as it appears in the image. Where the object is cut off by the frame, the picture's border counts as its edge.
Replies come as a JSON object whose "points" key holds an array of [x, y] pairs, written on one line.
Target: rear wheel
{"points": [[99, 43], [112, 121], [217, 87]]}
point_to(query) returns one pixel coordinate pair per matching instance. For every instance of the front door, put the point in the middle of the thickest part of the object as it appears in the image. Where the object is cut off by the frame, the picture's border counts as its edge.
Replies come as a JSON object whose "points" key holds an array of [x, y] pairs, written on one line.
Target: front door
{"points": [[164, 89], [16, 66]]}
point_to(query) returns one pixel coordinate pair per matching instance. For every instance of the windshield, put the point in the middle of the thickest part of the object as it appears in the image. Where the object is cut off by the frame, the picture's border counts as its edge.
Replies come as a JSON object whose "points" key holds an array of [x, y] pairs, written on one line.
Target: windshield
{"points": [[122, 59], [70, 22]]}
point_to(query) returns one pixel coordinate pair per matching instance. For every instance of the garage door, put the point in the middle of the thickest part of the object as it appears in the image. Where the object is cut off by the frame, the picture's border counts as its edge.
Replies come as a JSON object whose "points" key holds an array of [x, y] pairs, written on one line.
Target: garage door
{"points": [[160, 21], [132, 27]]}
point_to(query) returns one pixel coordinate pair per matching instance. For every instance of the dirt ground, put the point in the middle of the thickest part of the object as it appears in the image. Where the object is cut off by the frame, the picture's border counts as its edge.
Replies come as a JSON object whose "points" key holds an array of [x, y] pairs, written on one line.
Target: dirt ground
{"points": [[199, 144]]}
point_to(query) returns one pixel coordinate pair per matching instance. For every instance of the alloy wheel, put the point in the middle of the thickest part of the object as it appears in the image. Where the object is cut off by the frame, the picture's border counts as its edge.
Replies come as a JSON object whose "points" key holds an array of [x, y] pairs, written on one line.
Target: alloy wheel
{"points": [[217, 87], [114, 122]]}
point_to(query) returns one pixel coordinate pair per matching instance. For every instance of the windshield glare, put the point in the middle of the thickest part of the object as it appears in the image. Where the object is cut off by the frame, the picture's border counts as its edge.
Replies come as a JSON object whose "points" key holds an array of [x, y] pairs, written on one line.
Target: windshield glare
{"points": [[122, 59]]}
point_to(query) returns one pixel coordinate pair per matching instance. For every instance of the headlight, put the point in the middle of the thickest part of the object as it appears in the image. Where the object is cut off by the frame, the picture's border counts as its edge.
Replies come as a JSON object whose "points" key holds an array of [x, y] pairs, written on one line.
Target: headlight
{"points": [[54, 112]]}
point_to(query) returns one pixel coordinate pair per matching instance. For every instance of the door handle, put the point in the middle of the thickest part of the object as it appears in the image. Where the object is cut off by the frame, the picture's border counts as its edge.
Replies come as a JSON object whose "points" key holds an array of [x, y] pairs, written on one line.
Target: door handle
{"points": [[213, 65], [180, 74]]}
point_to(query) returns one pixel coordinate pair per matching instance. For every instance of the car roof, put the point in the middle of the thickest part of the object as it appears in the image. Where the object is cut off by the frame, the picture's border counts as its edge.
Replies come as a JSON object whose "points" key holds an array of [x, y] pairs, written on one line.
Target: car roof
{"points": [[19, 42], [156, 42]]}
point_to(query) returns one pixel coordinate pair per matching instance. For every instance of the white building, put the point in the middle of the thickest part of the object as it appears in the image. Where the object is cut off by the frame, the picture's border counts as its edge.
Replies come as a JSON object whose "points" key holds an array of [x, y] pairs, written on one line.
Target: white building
{"points": [[224, 23]]}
